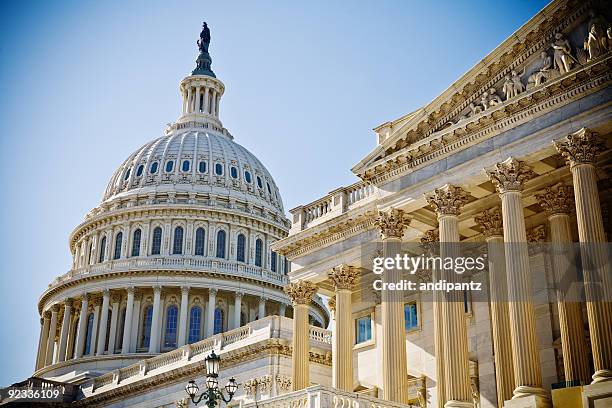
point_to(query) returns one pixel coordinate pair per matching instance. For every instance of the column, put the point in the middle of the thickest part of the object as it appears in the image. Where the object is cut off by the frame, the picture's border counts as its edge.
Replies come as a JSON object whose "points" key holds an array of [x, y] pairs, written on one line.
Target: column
{"points": [[430, 241], [210, 318], [103, 322], [112, 337], [206, 106], [261, 311], [447, 202], [237, 308], [51, 337], [395, 367], [301, 294], [188, 100], [581, 150], [197, 100], [127, 326], [182, 335], [44, 335], [213, 106], [491, 225], [184, 95], [344, 278], [282, 309], [72, 333], [96, 325], [155, 329], [61, 355], [82, 329], [509, 177]]}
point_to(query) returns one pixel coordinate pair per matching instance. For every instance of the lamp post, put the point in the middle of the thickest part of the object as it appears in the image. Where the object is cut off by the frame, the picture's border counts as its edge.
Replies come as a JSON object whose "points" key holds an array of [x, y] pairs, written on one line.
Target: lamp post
{"points": [[212, 392]]}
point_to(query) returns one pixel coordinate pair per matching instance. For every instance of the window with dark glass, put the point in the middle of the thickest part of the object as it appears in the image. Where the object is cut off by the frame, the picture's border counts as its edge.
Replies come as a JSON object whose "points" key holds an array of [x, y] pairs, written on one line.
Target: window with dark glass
{"points": [[221, 244], [258, 252], [118, 242], [234, 172], [171, 324], [177, 248], [145, 339], [139, 170], [269, 189], [136, 242], [411, 315], [153, 168], [202, 167], [247, 177], [108, 323], [363, 329], [218, 321], [127, 174], [195, 319], [186, 165], [259, 183], [157, 238], [199, 242], [102, 249], [89, 334], [169, 166], [89, 253], [120, 330], [273, 261], [240, 248], [218, 169]]}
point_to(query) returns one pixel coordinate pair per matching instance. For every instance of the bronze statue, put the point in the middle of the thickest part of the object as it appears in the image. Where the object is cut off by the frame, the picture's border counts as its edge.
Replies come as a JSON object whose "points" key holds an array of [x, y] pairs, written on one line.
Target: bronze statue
{"points": [[204, 40]]}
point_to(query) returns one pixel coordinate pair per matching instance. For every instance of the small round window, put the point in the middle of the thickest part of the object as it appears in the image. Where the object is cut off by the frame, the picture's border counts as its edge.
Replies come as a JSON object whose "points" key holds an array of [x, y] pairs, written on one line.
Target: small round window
{"points": [[153, 168], [202, 167], [218, 169], [259, 183], [186, 165], [169, 166], [234, 172], [139, 170], [127, 174], [247, 176]]}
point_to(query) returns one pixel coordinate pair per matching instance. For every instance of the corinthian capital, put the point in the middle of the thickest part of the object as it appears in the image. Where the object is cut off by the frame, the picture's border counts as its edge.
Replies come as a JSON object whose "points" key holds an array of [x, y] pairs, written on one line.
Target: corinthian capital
{"points": [[490, 222], [536, 234], [447, 200], [556, 199], [392, 223], [430, 237], [581, 147], [301, 292], [344, 276], [510, 175]]}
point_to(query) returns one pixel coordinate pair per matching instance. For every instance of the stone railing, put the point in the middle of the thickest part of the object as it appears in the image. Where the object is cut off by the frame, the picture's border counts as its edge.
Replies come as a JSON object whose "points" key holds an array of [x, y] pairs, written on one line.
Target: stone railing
{"points": [[333, 204], [187, 263], [320, 396], [266, 328]]}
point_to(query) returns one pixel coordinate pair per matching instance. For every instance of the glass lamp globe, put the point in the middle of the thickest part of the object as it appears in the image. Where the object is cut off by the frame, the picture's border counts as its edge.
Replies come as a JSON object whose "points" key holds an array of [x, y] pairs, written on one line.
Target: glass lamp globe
{"points": [[191, 388], [212, 364], [231, 387], [212, 382]]}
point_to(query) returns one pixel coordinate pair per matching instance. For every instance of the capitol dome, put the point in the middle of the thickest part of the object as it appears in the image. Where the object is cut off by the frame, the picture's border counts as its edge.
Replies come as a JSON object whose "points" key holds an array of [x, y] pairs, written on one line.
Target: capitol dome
{"points": [[178, 251]]}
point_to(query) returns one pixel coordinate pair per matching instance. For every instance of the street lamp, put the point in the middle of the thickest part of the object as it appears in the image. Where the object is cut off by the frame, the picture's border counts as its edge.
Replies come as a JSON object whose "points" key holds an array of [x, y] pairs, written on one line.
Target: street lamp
{"points": [[212, 392]]}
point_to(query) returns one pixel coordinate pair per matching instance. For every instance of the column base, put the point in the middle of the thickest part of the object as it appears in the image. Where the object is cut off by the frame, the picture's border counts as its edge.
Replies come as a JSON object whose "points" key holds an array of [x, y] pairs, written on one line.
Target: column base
{"points": [[597, 395], [529, 401], [458, 404], [601, 376]]}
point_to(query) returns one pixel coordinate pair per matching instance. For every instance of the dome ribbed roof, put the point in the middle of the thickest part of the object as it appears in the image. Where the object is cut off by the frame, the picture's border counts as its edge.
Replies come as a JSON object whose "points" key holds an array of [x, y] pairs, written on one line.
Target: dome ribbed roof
{"points": [[191, 161]]}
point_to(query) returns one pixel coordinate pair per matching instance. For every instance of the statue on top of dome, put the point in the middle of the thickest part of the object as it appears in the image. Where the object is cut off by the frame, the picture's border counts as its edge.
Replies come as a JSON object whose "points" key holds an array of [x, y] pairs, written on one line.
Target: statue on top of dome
{"points": [[204, 40]]}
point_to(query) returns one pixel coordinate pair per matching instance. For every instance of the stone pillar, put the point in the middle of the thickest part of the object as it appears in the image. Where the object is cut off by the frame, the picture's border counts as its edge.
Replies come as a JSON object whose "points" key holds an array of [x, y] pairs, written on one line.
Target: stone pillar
{"points": [[344, 278], [103, 322], [155, 329], [430, 241], [282, 309], [301, 294], [61, 355], [213, 107], [184, 95], [197, 100], [491, 225], [82, 329], [127, 325], [96, 325], [395, 368], [581, 150], [44, 335], [447, 202], [206, 105], [113, 324], [189, 94], [509, 177], [182, 334], [237, 309], [210, 318], [557, 201], [261, 311], [51, 337]]}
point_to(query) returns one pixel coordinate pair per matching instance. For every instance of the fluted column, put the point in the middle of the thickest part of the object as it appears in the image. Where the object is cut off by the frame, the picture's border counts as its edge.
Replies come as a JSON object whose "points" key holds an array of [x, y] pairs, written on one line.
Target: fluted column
{"points": [[127, 326], [509, 177], [96, 324], [491, 225], [82, 328], [155, 329], [182, 335], [51, 337], [210, 318], [61, 355], [197, 100], [44, 335], [447, 202], [112, 337], [392, 224], [301, 294], [261, 310], [237, 309], [103, 322], [557, 201], [344, 278], [189, 100], [282, 309], [206, 105], [213, 107], [581, 150]]}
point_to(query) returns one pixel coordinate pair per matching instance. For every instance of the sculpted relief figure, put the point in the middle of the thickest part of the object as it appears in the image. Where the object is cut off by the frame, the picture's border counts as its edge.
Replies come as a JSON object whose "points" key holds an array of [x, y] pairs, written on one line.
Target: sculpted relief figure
{"points": [[609, 34], [562, 54], [494, 98], [595, 44], [475, 109], [513, 85], [544, 71]]}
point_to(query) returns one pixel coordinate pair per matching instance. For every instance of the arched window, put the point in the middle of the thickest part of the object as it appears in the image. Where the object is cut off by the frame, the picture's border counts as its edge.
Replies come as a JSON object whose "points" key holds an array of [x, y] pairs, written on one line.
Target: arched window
{"points": [[89, 334], [287, 266], [171, 320], [258, 252], [195, 320], [202, 167], [75, 329], [199, 242], [127, 174], [247, 177], [118, 242], [177, 248], [240, 248], [89, 253], [157, 237], [234, 172], [145, 339], [102, 249], [136, 242], [139, 170], [218, 169], [259, 183], [108, 323], [221, 244], [169, 166], [273, 261], [120, 330], [153, 168], [218, 321], [186, 165], [269, 189]]}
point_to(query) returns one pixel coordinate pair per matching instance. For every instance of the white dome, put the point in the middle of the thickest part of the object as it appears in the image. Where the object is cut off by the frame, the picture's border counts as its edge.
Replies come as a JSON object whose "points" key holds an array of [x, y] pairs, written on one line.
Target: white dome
{"points": [[195, 161]]}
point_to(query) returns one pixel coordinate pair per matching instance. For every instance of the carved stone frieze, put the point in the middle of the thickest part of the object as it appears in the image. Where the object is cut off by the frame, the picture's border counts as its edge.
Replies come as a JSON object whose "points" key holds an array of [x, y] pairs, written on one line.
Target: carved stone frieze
{"points": [[447, 200], [510, 175]]}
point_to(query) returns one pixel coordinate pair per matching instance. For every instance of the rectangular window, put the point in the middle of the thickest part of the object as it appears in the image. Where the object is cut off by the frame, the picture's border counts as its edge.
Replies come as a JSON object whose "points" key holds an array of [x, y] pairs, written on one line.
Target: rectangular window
{"points": [[363, 328], [411, 316]]}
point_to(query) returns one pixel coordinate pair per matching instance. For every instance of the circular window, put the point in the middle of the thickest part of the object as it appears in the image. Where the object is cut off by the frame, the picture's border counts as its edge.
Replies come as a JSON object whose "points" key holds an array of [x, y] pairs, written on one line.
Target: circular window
{"points": [[247, 176], [234, 172], [153, 168]]}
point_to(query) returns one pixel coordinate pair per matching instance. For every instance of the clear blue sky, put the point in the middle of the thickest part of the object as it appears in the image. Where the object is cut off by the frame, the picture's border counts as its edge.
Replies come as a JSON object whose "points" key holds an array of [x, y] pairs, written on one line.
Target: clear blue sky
{"points": [[85, 83]]}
